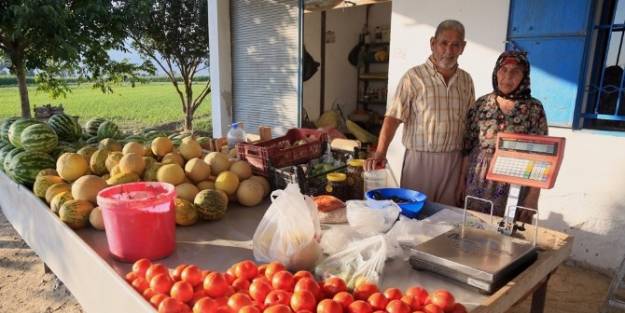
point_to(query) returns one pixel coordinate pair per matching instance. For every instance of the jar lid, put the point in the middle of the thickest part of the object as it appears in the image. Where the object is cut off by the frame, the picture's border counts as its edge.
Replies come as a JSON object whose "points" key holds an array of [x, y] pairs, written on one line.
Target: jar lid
{"points": [[336, 177], [356, 163]]}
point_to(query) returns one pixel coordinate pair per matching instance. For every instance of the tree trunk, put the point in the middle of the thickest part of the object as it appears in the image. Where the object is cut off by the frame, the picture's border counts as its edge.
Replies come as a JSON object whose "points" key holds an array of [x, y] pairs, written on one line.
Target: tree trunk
{"points": [[188, 118], [21, 83]]}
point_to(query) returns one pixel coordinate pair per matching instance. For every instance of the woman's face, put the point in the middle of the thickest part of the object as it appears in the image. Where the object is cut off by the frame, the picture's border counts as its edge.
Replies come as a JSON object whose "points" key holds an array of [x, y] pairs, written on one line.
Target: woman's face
{"points": [[509, 76]]}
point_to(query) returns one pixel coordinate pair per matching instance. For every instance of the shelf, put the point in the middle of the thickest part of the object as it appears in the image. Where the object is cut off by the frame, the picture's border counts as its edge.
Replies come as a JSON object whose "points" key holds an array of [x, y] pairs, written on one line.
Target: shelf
{"points": [[373, 76]]}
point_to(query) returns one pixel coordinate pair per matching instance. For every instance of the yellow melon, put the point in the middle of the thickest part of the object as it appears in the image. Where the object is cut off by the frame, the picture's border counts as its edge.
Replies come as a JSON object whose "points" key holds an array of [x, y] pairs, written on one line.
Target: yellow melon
{"points": [[87, 151], [197, 170], [95, 218], [189, 148], [233, 153], [150, 172], [71, 166], [113, 159], [106, 176], [228, 182], [242, 169], [42, 183], [170, 173], [134, 147], [115, 171], [56, 189], [173, 157], [87, 188], [58, 200], [149, 161], [250, 193], [97, 163], [48, 171], [264, 182], [110, 145], [161, 146], [218, 162], [186, 212], [75, 213], [132, 163], [205, 184], [187, 191], [123, 178]]}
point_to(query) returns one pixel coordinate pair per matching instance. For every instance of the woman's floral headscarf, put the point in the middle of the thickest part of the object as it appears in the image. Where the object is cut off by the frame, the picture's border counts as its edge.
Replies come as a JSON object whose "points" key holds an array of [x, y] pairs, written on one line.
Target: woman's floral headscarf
{"points": [[523, 91]]}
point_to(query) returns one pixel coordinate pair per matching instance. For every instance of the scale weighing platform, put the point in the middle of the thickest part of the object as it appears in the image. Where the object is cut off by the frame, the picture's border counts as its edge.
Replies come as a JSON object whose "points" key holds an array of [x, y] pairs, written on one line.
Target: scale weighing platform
{"points": [[488, 259]]}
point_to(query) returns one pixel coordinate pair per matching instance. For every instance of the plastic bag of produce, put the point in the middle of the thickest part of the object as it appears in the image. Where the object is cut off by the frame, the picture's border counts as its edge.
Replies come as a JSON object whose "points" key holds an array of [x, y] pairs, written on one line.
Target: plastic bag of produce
{"points": [[371, 220], [361, 260], [289, 230]]}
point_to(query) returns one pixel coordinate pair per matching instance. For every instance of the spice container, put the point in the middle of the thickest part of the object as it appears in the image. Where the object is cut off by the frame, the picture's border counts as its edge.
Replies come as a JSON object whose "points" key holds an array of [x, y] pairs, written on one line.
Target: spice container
{"points": [[337, 185], [355, 181]]}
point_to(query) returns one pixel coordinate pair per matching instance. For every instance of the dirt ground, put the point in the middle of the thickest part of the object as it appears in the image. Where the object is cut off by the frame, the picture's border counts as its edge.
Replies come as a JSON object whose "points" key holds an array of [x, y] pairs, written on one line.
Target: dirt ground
{"points": [[26, 288]]}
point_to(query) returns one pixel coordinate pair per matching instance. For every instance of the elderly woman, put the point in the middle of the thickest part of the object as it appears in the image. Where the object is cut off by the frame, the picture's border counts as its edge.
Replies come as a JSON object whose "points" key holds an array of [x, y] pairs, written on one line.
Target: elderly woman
{"points": [[509, 108]]}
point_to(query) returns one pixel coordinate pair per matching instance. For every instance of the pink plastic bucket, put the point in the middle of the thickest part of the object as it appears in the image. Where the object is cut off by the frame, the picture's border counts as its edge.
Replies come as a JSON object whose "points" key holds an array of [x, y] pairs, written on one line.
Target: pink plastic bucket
{"points": [[140, 220]]}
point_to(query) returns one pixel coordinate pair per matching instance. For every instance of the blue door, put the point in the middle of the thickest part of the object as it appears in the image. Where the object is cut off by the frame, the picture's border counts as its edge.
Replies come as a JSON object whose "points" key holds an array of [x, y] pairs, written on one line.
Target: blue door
{"points": [[555, 34]]}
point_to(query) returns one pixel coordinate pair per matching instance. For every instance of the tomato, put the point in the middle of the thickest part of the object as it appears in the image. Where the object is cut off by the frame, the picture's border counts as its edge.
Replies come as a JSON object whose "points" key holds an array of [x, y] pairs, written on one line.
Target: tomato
{"points": [[412, 302], [443, 299], [308, 284], [332, 286], [418, 293], [192, 275], [154, 270], [197, 295], [182, 291], [261, 269], [229, 278], [278, 308], [283, 280], [205, 305], [205, 273], [393, 293], [277, 297], [378, 301], [140, 284], [177, 273], [329, 306], [215, 285], [431, 308], [458, 308], [170, 305], [344, 298], [398, 306], [241, 284], [239, 300], [263, 279], [259, 290], [246, 269], [224, 309], [273, 268], [250, 309], [359, 306], [149, 293], [157, 299], [161, 283], [303, 300], [131, 276], [364, 290], [141, 266], [301, 274]]}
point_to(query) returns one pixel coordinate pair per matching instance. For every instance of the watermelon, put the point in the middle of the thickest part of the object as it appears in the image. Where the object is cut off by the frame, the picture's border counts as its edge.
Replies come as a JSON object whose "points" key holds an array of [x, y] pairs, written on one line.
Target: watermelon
{"points": [[16, 129], [93, 125], [26, 165], [39, 137], [7, 159], [135, 138], [65, 126], [149, 135], [211, 204], [5, 124], [109, 130], [3, 152]]}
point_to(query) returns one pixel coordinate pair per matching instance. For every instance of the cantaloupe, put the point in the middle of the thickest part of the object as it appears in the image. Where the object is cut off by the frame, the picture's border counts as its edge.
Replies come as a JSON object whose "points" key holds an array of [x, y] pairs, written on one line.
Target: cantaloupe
{"points": [[97, 163], [173, 157], [264, 182], [228, 182], [206, 184], [71, 166], [134, 147], [115, 171], [75, 213], [110, 145], [48, 171], [56, 189], [87, 151], [87, 188], [187, 191], [242, 169], [189, 148], [186, 212], [250, 193], [170, 173], [150, 172], [132, 163], [232, 154], [197, 170], [59, 199], [123, 178], [113, 159], [95, 218], [161, 146], [211, 204], [218, 162], [42, 183], [149, 161]]}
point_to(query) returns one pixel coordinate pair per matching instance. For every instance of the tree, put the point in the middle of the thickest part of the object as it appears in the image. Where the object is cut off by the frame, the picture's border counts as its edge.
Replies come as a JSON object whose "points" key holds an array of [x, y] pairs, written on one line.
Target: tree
{"points": [[64, 36], [174, 34]]}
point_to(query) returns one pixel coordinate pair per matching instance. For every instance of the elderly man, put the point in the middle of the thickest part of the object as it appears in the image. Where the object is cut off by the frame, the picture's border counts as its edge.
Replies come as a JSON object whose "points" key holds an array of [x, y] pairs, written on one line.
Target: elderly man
{"points": [[431, 100]]}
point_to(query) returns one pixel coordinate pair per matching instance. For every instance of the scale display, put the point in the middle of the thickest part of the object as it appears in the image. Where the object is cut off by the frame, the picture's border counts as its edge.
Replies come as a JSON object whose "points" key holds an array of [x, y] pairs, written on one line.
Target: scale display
{"points": [[526, 160]]}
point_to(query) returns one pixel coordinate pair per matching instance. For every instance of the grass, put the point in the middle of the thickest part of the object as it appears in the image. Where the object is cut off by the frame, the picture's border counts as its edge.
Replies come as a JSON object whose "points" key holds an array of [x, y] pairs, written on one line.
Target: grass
{"points": [[146, 105]]}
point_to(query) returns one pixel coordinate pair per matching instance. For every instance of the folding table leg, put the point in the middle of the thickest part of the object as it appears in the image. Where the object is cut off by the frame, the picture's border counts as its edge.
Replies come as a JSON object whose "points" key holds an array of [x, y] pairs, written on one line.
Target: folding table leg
{"points": [[539, 296]]}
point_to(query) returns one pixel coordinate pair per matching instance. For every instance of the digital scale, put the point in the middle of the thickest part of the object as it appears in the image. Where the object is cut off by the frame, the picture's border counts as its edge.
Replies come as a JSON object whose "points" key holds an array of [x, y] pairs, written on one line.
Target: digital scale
{"points": [[487, 259]]}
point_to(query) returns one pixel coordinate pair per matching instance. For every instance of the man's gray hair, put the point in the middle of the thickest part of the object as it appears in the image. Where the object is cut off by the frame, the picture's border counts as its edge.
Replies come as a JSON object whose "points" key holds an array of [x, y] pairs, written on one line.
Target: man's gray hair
{"points": [[450, 25]]}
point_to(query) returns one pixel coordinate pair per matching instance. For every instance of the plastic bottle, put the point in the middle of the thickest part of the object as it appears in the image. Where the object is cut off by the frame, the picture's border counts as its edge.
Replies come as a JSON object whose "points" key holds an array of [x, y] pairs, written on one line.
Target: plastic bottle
{"points": [[236, 134]]}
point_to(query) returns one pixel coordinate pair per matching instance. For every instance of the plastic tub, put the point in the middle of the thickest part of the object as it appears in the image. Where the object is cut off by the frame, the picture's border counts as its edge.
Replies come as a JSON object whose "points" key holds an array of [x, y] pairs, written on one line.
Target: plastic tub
{"points": [[411, 209], [139, 219]]}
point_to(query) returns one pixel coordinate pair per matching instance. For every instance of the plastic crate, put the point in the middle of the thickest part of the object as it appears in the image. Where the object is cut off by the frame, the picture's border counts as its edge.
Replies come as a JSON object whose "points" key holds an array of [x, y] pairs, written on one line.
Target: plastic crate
{"points": [[309, 185], [280, 152]]}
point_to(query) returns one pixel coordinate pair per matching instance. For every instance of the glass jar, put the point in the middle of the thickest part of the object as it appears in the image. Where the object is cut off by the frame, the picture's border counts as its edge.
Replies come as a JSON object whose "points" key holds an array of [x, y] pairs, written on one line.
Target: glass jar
{"points": [[337, 185], [355, 186], [375, 179]]}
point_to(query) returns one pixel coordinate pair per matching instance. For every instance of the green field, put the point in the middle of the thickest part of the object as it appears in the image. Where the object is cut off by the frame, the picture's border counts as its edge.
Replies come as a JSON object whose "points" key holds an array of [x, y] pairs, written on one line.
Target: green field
{"points": [[145, 105]]}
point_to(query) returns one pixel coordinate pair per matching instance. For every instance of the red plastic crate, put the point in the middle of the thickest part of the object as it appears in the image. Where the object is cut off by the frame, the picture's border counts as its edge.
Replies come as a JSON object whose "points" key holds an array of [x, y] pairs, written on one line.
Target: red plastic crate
{"points": [[272, 153]]}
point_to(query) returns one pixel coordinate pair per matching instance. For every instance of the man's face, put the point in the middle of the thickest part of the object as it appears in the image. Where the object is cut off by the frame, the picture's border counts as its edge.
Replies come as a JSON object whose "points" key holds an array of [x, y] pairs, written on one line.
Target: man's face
{"points": [[446, 48]]}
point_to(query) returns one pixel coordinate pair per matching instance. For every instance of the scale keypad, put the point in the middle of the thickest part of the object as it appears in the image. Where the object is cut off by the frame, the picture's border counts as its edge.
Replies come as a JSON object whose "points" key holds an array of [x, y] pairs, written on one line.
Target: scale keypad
{"points": [[522, 168]]}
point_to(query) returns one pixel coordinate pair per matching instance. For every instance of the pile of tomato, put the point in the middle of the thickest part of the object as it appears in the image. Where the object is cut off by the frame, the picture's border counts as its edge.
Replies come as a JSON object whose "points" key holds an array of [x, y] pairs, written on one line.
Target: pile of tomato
{"points": [[269, 288]]}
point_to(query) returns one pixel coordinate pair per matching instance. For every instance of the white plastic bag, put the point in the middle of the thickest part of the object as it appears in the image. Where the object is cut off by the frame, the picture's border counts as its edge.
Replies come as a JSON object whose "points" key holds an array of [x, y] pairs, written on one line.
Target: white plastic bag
{"points": [[362, 260], [370, 221], [289, 230]]}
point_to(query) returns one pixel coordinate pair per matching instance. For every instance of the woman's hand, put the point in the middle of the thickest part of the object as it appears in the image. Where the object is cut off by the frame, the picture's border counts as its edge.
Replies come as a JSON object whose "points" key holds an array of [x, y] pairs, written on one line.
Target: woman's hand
{"points": [[376, 161]]}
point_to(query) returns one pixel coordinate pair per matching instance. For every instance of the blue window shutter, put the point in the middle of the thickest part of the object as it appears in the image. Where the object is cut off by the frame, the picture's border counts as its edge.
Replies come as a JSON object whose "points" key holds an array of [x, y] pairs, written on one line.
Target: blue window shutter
{"points": [[555, 35]]}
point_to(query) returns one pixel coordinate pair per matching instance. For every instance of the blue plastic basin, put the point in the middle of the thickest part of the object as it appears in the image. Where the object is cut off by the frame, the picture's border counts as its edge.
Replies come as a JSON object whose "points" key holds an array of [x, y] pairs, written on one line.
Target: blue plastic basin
{"points": [[412, 208]]}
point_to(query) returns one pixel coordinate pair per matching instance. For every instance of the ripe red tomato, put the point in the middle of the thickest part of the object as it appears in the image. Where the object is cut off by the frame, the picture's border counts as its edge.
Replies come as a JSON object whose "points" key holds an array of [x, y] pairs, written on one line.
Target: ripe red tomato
{"points": [[459, 308], [263, 279], [170, 305], [239, 300], [197, 295], [177, 273], [224, 309], [412, 302], [261, 269], [278, 308], [418, 293], [431, 308], [329, 306], [215, 285], [308, 284], [301, 274], [359, 306], [364, 290], [154, 270], [378, 301], [250, 309], [192, 275], [393, 293], [303, 300], [157, 299], [259, 290], [229, 278], [332, 286], [131, 276], [140, 284], [283, 280], [398, 306], [443, 299], [344, 298], [246, 269], [241, 284], [278, 297], [273, 268], [182, 291], [141, 266], [149, 293], [205, 305], [161, 283]]}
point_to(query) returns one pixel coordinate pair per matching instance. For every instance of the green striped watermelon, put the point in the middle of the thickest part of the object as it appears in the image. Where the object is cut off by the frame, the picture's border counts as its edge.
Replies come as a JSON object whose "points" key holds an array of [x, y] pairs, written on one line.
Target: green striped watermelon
{"points": [[134, 138], [65, 126], [108, 130], [16, 129], [93, 125], [154, 133], [3, 152], [4, 127], [4, 143], [39, 137], [25, 166], [8, 157]]}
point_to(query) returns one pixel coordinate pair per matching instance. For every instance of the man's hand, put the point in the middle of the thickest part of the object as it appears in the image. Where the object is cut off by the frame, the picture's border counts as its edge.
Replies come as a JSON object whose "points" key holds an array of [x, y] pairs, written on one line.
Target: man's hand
{"points": [[377, 161]]}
